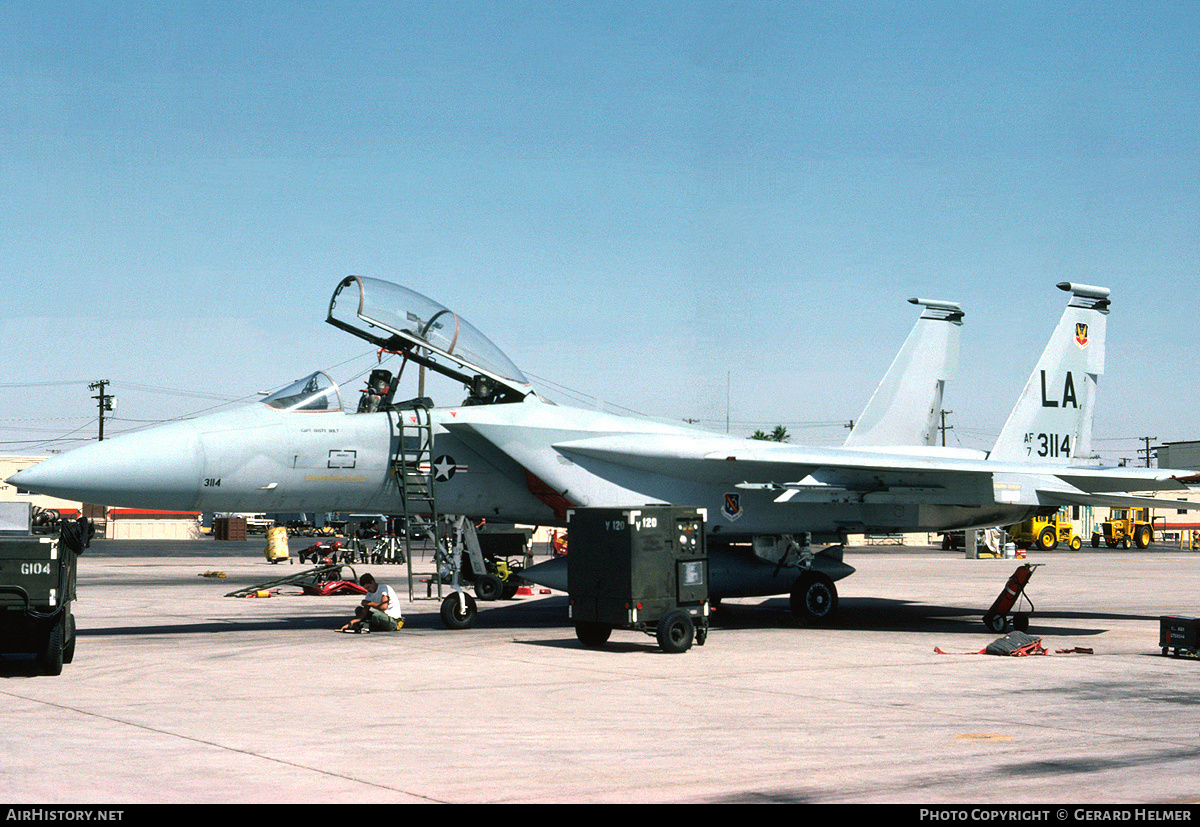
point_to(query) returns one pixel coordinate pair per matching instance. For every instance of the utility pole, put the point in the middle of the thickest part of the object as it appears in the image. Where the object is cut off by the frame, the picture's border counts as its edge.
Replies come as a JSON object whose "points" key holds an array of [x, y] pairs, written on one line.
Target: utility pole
{"points": [[944, 427], [1147, 439], [103, 400]]}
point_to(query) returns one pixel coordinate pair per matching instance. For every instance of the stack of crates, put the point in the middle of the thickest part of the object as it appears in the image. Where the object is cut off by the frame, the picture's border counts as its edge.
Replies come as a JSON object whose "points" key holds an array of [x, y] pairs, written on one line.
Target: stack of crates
{"points": [[229, 528]]}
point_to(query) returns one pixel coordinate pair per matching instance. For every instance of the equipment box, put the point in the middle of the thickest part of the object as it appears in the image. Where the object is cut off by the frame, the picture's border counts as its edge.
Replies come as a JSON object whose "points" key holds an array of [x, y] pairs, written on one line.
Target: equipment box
{"points": [[37, 585], [644, 569], [1179, 633]]}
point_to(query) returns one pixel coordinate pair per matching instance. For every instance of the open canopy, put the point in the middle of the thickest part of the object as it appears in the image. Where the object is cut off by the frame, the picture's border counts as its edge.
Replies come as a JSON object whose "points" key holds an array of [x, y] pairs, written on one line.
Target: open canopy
{"points": [[401, 320]]}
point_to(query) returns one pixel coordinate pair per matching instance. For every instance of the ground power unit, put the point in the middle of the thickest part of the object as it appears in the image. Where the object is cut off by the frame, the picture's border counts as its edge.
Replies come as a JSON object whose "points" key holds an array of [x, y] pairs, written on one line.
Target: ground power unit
{"points": [[643, 569]]}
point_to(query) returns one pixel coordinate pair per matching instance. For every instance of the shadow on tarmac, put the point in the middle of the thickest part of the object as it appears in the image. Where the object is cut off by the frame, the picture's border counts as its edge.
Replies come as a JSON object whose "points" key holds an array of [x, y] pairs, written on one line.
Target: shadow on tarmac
{"points": [[861, 614], [888, 615], [854, 614]]}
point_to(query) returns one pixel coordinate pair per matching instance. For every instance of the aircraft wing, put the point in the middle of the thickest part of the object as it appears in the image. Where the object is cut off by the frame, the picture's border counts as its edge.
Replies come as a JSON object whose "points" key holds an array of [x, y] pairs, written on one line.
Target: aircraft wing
{"points": [[716, 459], [803, 474]]}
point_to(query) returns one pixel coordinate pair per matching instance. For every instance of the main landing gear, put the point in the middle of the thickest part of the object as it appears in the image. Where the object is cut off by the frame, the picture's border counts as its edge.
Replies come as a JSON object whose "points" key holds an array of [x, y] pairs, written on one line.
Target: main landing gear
{"points": [[814, 597]]}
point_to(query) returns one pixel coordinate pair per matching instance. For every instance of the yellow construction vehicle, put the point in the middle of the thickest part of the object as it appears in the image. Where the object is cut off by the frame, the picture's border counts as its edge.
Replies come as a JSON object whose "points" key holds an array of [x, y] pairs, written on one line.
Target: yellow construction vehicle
{"points": [[1125, 527], [1046, 532]]}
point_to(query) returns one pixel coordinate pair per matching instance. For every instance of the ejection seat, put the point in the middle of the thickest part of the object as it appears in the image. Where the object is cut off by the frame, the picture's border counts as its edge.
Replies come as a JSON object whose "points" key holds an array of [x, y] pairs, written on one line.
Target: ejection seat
{"points": [[378, 393]]}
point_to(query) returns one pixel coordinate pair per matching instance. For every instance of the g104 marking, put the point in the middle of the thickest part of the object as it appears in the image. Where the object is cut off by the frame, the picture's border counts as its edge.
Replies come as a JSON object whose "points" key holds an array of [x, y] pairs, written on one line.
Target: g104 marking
{"points": [[35, 568]]}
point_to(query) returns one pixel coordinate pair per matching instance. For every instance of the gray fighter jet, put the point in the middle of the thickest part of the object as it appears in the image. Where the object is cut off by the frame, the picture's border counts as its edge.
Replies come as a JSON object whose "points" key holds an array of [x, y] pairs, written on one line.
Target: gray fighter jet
{"points": [[507, 455]]}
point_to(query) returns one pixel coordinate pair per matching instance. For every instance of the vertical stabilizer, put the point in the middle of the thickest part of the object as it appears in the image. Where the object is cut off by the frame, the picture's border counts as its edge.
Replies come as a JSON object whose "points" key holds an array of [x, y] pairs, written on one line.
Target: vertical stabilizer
{"points": [[1052, 421], [905, 407]]}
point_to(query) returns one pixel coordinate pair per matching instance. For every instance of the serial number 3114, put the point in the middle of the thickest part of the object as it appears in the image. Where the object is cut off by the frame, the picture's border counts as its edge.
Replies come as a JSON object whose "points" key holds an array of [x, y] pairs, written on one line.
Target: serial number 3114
{"points": [[1049, 445]]}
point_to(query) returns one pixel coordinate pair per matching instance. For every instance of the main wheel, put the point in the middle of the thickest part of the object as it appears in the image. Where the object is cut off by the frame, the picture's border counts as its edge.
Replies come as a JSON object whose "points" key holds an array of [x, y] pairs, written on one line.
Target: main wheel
{"points": [[675, 632], [455, 617], [814, 597], [50, 659], [69, 648], [1144, 536], [592, 635], [1046, 540], [488, 587]]}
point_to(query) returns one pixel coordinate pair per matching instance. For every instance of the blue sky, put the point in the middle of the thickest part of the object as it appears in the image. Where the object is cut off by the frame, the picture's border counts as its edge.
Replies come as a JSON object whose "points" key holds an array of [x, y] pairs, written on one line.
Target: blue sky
{"points": [[689, 210]]}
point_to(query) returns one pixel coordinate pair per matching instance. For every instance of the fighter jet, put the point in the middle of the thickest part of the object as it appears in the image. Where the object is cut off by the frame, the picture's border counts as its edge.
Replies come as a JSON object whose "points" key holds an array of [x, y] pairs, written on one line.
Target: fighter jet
{"points": [[508, 455]]}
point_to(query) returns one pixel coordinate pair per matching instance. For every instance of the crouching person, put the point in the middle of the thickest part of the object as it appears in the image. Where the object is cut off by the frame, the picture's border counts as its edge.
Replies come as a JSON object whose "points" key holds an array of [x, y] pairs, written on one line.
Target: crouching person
{"points": [[379, 610]]}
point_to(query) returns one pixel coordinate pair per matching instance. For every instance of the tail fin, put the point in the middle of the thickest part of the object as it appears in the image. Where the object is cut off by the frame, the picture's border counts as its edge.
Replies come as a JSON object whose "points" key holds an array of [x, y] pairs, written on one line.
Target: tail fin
{"points": [[1052, 421], [905, 406]]}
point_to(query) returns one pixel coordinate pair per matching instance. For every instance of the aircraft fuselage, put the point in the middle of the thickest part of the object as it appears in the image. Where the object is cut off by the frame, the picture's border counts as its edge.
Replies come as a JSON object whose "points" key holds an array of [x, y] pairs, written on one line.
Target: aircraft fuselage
{"points": [[257, 459]]}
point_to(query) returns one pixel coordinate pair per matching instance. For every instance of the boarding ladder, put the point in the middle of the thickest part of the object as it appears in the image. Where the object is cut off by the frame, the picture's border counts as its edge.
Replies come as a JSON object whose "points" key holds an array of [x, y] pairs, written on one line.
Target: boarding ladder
{"points": [[412, 468]]}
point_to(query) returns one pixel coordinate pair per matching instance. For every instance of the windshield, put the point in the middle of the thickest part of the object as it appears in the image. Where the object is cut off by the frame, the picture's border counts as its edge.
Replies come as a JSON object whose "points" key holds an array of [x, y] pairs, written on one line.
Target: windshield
{"points": [[415, 319], [315, 393]]}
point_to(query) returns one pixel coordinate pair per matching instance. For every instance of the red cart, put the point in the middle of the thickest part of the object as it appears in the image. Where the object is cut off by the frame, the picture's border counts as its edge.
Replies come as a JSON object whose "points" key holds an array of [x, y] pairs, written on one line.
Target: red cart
{"points": [[997, 616]]}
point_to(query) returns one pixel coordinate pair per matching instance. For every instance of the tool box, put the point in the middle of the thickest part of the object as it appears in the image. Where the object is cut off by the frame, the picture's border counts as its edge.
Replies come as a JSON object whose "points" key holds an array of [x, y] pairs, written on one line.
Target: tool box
{"points": [[1181, 634]]}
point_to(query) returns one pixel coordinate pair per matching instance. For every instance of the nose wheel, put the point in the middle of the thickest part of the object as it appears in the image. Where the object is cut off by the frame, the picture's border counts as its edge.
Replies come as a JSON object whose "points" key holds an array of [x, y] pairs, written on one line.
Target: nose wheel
{"points": [[458, 611]]}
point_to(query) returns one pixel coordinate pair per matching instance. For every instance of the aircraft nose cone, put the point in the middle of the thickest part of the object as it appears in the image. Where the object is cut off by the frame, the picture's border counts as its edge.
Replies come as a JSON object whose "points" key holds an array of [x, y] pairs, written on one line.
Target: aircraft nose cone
{"points": [[158, 469]]}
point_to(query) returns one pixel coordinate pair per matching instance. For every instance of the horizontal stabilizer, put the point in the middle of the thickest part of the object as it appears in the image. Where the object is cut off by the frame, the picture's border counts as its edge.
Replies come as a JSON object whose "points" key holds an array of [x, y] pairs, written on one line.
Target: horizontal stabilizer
{"points": [[1114, 500], [1104, 480]]}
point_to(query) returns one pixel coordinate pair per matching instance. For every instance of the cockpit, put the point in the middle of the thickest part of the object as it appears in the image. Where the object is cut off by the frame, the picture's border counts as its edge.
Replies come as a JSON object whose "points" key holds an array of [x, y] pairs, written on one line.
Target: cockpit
{"points": [[315, 393], [401, 321]]}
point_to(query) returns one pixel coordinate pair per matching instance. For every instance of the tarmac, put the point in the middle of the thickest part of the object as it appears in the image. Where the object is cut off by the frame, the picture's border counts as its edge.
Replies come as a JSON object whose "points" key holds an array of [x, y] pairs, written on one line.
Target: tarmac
{"points": [[178, 694]]}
